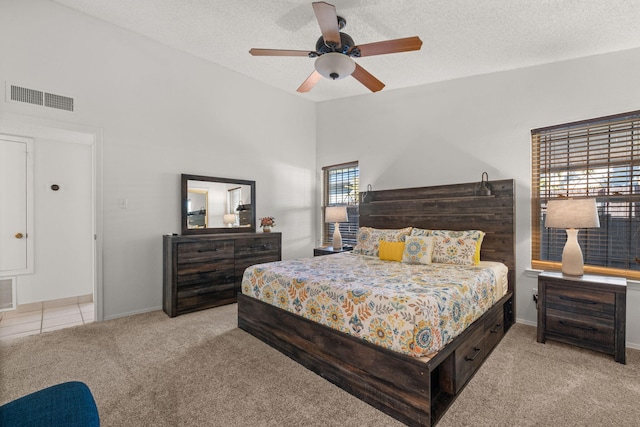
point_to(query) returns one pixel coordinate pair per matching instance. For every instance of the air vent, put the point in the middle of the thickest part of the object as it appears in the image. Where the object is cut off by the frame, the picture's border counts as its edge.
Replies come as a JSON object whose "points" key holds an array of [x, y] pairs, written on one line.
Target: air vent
{"points": [[7, 292], [22, 94], [38, 97], [58, 101]]}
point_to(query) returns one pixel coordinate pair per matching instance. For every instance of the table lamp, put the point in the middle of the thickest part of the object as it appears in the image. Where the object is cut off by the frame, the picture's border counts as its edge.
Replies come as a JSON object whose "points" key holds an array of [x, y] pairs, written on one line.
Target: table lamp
{"points": [[229, 219], [336, 214], [572, 214]]}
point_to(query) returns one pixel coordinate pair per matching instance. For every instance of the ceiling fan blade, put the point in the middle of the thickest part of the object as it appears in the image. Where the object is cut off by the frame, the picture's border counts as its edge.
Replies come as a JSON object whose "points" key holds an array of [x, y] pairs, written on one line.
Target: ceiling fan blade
{"points": [[390, 46], [311, 81], [367, 79], [328, 22], [279, 52]]}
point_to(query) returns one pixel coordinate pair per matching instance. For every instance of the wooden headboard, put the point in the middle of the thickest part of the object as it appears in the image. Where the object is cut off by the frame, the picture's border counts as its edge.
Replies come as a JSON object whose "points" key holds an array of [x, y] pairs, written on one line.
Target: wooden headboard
{"points": [[450, 207]]}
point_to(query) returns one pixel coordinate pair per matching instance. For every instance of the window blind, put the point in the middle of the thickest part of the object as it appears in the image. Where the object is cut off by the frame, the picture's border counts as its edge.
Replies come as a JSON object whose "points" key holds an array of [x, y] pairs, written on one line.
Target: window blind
{"points": [[592, 158], [340, 188]]}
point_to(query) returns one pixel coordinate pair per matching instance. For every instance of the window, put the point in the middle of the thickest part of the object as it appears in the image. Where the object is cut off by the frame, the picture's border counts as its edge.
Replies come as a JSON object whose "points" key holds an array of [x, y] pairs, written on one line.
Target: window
{"points": [[340, 188], [593, 158]]}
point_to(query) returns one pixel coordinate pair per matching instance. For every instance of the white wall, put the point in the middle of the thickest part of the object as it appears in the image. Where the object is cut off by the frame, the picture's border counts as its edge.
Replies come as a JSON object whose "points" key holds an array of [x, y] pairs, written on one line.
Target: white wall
{"points": [[160, 113], [453, 131]]}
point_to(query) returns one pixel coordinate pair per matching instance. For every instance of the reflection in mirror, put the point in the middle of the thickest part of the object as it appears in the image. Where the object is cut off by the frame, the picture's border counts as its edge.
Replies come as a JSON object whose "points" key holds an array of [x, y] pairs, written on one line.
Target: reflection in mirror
{"points": [[197, 208], [217, 205], [225, 201]]}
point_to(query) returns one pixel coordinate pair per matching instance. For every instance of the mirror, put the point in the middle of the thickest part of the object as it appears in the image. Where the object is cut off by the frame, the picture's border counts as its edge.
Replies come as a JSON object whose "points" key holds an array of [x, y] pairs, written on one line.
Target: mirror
{"points": [[217, 205]]}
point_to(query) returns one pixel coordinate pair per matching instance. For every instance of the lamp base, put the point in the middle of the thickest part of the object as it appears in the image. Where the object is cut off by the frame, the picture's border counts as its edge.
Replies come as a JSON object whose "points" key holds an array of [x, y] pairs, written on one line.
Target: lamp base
{"points": [[337, 238], [572, 260]]}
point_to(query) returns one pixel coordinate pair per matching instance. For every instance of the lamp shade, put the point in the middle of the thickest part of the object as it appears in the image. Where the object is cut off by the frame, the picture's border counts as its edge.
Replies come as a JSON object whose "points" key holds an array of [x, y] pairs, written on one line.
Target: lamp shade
{"points": [[335, 65], [335, 214], [229, 219], [572, 213]]}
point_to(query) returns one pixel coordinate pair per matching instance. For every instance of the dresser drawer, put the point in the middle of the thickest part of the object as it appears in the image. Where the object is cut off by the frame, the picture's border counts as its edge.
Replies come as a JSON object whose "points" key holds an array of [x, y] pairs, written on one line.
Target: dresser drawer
{"points": [[204, 251], [585, 301], [264, 247], [585, 328], [204, 295], [218, 272]]}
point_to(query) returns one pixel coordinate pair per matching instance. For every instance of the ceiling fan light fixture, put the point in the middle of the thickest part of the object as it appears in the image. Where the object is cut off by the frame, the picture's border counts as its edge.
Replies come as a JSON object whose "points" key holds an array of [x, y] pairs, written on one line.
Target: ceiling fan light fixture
{"points": [[335, 66]]}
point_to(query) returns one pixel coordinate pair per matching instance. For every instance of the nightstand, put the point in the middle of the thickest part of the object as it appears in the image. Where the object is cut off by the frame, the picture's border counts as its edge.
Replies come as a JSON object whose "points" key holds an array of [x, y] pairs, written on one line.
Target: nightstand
{"points": [[328, 250], [587, 311]]}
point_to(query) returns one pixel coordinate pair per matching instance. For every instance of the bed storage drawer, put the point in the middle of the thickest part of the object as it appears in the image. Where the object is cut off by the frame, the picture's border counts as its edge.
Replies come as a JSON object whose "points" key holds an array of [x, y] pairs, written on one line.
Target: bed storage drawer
{"points": [[494, 328], [468, 357], [483, 336]]}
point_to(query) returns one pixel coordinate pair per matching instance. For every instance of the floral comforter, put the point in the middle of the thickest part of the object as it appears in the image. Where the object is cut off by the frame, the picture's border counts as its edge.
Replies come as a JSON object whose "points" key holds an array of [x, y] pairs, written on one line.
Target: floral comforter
{"points": [[411, 309]]}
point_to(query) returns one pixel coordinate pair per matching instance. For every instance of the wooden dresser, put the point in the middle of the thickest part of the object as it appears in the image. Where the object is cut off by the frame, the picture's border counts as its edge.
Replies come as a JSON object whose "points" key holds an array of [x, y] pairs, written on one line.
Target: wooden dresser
{"points": [[587, 311], [204, 271]]}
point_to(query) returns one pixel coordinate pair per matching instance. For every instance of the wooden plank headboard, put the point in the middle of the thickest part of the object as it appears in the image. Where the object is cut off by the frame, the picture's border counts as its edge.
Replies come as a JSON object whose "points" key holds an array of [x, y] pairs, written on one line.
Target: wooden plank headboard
{"points": [[450, 207]]}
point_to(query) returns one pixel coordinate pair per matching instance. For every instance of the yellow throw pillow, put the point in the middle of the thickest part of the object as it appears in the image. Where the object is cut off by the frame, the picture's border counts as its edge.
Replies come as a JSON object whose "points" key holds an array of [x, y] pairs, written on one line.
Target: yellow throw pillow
{"points": [[391, 251]]}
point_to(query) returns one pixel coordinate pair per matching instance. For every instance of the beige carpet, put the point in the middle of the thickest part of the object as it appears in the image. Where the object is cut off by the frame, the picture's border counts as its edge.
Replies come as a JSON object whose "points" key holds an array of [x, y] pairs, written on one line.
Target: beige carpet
{"points": [[200, 370]]}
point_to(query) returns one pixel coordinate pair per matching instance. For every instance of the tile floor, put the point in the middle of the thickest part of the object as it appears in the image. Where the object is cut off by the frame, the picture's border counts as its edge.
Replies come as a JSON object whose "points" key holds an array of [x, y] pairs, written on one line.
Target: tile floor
{"points": [[36, 318]]}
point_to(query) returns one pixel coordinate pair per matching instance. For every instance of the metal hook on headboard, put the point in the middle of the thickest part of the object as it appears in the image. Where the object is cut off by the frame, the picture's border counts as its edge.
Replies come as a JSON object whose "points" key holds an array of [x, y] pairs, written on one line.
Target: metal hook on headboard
{"points": [[485, 188], [364, 194]]}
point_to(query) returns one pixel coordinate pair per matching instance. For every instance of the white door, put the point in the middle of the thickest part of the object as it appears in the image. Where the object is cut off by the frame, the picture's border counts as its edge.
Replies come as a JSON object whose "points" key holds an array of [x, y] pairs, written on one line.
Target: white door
{"points": [[63, 219], [16, 255]]}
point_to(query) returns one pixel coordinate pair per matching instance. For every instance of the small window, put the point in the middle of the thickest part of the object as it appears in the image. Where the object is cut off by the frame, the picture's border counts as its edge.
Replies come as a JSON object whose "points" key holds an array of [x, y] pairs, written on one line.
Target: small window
{"points": [[593, 158], [340, 188]]}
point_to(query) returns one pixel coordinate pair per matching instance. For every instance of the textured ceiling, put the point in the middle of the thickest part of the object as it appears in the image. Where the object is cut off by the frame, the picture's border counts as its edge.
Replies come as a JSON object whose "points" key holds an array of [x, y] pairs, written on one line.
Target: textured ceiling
{"points": [[460, 37]]}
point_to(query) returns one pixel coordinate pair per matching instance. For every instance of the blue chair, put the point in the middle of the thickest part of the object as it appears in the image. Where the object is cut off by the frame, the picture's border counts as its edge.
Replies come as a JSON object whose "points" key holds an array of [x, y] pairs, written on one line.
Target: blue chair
{"points": [[69, 404]]}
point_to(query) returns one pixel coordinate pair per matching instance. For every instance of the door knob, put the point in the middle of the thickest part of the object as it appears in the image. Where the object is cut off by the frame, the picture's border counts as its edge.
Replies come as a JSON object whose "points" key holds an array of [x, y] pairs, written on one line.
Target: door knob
{"points": [[19, 235]]}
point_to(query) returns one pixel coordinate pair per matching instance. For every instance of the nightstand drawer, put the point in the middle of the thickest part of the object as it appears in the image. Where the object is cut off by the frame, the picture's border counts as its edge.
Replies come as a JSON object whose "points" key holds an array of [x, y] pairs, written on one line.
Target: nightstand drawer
{"points": [[575, 300], [585, 328]]}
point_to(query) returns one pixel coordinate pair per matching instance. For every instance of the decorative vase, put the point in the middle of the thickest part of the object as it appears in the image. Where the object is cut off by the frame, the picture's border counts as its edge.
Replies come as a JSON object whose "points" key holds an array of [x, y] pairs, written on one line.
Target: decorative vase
{"points": [[266, 229]]}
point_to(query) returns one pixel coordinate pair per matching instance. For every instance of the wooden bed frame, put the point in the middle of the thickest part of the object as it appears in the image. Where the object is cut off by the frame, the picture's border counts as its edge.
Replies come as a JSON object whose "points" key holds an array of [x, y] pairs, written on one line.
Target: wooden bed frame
{"points": [[415, 391]]}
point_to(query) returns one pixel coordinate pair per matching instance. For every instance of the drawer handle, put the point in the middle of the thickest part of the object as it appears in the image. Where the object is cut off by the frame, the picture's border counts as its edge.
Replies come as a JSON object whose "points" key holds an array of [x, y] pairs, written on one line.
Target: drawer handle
{"points": [[472, 358], [208, 250], [582, 301], [496, 329], [587, 328], [259, 247]]}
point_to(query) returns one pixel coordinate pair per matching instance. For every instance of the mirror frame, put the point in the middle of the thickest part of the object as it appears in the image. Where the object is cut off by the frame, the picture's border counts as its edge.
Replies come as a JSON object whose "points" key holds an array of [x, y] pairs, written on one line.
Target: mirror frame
{"points": [[213, 230]]}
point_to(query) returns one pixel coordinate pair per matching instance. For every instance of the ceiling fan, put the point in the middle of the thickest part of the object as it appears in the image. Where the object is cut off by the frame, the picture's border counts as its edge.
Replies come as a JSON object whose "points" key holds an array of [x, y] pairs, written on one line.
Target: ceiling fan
{"points": [[335, 51]]}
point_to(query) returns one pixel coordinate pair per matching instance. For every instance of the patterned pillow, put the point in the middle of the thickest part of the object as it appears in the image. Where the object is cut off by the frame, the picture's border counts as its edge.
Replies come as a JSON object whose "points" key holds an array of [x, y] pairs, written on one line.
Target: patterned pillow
{"points": [[368, 239], [457, 247], [417, 249], [391, 251], [421, 232]]}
